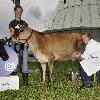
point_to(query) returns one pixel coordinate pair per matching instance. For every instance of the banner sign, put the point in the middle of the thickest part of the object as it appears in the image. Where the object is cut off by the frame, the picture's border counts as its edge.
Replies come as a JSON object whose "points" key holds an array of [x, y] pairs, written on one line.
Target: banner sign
{"points": [[8, 66]]}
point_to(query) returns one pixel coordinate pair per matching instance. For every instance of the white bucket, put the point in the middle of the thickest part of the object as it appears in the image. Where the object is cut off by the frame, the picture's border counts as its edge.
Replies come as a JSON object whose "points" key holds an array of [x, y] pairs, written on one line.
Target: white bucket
{"points": [[72, 76]]}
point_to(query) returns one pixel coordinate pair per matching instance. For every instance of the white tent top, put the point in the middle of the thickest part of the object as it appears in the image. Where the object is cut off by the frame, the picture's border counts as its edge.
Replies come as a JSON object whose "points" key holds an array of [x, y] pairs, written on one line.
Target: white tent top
{"points": [[76, 13]]}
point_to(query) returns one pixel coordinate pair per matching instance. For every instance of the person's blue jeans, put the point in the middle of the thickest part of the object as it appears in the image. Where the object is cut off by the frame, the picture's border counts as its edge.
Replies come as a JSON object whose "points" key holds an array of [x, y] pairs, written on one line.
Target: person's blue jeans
{"points": [[25, 68], [24, 55], [86, 80]]}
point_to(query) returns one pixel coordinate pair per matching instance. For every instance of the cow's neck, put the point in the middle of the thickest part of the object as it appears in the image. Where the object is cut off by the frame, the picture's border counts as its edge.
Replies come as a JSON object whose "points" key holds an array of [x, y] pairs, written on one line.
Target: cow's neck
{"points": [[33, 42]]}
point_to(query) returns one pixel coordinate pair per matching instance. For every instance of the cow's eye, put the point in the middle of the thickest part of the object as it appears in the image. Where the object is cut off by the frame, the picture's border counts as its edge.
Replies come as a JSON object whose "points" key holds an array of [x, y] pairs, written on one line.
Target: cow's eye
{"points": [[20, 30]]}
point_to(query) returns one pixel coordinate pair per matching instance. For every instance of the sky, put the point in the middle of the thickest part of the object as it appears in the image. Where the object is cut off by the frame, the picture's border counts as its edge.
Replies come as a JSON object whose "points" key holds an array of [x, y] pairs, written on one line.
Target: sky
{"points": [[37, 13]]}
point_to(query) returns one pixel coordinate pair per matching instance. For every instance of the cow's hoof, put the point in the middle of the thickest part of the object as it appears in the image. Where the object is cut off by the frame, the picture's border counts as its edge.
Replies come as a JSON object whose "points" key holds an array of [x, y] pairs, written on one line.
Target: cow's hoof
{"points": [[43, 82]]}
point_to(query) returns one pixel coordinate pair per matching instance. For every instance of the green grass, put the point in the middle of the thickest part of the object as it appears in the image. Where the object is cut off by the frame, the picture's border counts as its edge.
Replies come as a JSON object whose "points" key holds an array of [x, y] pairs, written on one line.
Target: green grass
{"points": [[61, 89]]}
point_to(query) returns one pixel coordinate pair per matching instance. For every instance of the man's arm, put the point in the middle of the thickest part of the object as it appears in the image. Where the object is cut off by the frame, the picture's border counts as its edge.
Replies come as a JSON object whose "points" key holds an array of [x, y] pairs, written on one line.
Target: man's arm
{"points": [[80, 58], [77, 56], [11, 31]]}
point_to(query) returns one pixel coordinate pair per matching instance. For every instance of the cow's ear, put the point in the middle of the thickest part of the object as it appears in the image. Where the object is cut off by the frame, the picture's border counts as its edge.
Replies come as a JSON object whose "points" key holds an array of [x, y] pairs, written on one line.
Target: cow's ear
{"points": [[23, 24]]}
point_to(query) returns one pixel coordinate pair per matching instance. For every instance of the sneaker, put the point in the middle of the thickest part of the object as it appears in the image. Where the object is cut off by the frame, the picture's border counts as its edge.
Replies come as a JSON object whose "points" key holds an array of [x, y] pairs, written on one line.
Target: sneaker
{"points": [[14, 73]]}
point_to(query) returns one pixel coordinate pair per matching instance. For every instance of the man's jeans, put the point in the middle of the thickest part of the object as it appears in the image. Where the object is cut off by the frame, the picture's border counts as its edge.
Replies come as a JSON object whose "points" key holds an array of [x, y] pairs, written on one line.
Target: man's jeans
{"points": [[24, 55], [86, 80]]}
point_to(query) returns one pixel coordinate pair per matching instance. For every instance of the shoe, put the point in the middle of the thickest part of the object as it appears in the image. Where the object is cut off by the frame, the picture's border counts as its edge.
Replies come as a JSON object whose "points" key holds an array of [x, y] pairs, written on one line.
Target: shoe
{"points": [[81, 87], [14, 73], [89, 86]]}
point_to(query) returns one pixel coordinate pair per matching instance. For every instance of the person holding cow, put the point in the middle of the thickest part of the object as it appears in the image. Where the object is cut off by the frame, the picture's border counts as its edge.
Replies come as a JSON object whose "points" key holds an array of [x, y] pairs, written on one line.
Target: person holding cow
{"points": [[20, 49], [90, 60]]}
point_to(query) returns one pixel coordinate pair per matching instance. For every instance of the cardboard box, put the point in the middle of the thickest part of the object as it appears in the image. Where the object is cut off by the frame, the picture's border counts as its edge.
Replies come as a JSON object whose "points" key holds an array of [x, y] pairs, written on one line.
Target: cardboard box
{"points": [[11, 82]]}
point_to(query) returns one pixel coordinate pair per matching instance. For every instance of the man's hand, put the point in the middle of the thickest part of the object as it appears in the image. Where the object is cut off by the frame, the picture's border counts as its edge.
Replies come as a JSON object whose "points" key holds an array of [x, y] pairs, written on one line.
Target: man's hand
{"points": [[77, 56]]}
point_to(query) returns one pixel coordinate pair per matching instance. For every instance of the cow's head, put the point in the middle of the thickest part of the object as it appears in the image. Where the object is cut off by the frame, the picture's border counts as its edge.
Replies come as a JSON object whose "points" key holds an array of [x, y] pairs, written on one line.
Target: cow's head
{"points": [[23, 33], [19, 29]]}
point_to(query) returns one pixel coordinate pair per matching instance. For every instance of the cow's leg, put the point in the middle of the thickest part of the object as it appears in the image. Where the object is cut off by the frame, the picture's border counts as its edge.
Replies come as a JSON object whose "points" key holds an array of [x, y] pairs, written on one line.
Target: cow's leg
{"points": [[43, 65], [50, 66]]}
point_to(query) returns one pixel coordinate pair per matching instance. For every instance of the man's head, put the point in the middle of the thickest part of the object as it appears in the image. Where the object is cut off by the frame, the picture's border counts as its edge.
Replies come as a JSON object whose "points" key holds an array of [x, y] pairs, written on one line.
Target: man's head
{"points": [[86, 37], [18, 11]]}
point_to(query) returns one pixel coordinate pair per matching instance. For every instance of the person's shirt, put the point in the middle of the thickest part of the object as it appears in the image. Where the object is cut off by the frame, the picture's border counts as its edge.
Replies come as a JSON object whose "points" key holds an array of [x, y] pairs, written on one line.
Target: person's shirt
{"points": [[15, 24], [92, 50]]}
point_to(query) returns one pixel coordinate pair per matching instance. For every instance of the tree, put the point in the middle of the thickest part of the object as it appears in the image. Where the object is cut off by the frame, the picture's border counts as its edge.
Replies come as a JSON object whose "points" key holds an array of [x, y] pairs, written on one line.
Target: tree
{"points": [[17, 2]]}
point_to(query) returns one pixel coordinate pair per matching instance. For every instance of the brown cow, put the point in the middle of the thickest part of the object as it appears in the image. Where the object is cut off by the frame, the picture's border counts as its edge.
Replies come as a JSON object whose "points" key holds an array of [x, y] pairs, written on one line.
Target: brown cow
{"points": [[48, 48]]}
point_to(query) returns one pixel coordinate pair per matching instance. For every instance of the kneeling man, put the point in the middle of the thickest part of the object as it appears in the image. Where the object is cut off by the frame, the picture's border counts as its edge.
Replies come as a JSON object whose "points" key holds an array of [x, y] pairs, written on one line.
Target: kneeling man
{"points": [[90, 60]]}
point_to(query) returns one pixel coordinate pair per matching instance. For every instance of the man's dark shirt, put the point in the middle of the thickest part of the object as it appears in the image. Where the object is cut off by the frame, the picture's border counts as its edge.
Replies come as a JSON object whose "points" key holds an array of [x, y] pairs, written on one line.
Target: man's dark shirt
{"points": [[15, 24]]}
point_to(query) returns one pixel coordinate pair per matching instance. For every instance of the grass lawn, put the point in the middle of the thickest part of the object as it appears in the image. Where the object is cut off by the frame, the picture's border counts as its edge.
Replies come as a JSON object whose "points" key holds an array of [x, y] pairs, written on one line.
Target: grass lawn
{"points": [[61, 89]]}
